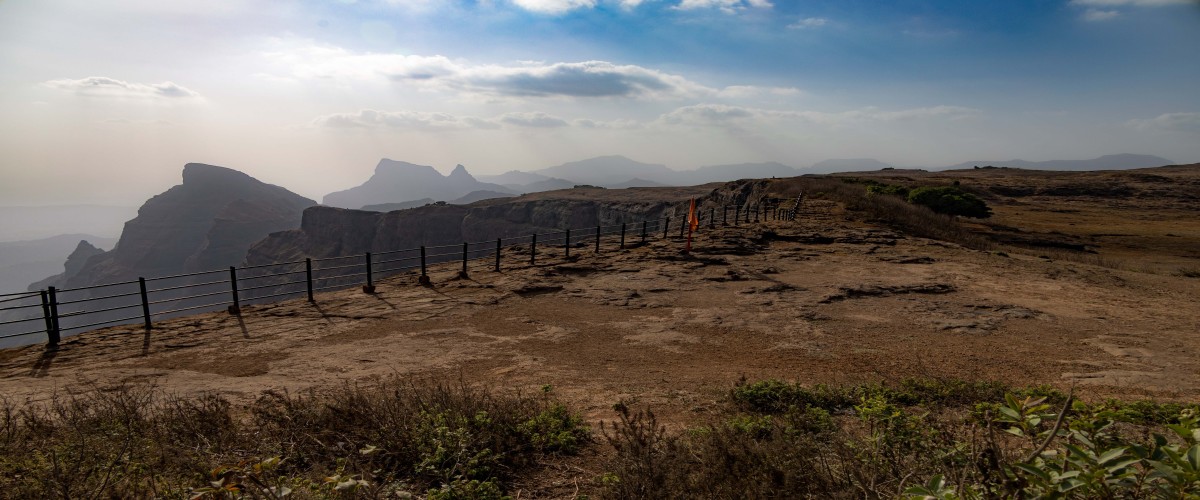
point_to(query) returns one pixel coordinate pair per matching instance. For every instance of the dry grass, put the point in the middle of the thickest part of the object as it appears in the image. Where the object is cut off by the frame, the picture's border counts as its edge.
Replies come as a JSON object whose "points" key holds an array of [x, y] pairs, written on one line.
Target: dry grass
{"points": [[444, 440]]}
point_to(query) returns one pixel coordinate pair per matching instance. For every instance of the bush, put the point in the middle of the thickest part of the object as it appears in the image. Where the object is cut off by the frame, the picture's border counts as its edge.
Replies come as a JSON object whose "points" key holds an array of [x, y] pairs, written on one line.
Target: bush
{"points": [[950, 201], [918, 440]]}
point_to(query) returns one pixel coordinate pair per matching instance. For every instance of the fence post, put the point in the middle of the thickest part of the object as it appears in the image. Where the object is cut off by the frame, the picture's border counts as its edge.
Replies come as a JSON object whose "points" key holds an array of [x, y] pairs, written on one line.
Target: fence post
{"points": [[643, 232], [666, 226], [463, 273], [567, 244], [622, 236], [533, 249], [236, 307], [737, 211], [683, 226], [53, 334], [46, 315], [370, 287], [712, 218], [724, 215], [308, 277], [497, 254], [145, 302], [423, 279], [597, 239]]}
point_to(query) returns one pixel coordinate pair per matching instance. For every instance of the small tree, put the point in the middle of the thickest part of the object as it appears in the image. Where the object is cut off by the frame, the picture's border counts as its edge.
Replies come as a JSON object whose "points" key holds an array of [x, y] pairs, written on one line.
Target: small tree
{"points": [[950, 201]]}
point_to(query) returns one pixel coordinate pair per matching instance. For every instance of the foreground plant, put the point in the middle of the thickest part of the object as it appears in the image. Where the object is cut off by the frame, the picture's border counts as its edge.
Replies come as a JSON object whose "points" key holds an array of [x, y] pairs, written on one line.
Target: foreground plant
{"points": [[439, 440]]}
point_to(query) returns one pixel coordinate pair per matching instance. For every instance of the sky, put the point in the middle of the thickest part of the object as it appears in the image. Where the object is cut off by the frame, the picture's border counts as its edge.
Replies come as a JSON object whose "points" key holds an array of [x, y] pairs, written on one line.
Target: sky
{"points": [[103, 102]]}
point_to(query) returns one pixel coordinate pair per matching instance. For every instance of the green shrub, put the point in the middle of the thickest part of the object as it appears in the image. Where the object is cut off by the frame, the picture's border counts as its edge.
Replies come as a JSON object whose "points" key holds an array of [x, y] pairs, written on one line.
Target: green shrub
{"points": [[950, 201], [888, 189]]}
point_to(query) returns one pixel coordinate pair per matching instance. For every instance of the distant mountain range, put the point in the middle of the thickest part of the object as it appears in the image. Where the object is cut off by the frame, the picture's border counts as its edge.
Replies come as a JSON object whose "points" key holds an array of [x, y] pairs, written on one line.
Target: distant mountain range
{"points": [[1107, 162], [400, 185], [399, 181]]}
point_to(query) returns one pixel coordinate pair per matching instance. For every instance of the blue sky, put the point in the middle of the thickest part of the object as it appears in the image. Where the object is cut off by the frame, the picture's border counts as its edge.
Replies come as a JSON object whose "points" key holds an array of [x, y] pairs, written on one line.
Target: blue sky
{"points": [[105, 101]]}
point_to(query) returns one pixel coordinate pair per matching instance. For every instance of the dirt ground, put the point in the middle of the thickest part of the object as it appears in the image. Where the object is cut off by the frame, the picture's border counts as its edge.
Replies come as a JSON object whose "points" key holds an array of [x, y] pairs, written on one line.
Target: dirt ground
{"points": [[819, 300]]}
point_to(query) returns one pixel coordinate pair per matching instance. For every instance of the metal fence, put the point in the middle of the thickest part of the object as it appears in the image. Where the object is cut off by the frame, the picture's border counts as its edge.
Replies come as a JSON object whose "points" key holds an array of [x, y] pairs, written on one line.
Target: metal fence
{"points": [[55, 311]]}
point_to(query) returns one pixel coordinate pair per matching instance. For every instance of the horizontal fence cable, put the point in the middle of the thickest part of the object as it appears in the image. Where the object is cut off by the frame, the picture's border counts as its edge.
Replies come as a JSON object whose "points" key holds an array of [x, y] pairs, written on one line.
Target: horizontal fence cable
{"points": [[275, 275], [191, 308], [23, 320], [98, 323], [90, 299], [189, 297], [25, 306], [97, 311], [93, 287], [185, 275], [272, 285], [11, 335], [272, 265], [194, 285]]}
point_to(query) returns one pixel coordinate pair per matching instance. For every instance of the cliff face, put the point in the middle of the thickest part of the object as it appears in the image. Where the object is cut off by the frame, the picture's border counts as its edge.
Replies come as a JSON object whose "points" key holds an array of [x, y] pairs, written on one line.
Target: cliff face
{"points": [[330, 232], [334, 232], [398, 181], [207, 222]]}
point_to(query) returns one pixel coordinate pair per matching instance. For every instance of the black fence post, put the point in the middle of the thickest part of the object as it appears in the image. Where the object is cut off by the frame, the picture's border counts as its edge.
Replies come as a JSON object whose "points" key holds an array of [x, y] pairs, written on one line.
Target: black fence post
{"points": [[533, 249], [712, 218], [145, 302], [236, 307], [683, 226], [424, 277], [622, 236], [597, 239], [497, 254], [666, 226], [643, 232], [567, 244], [308, 277], [53, 334], [737, 212], [370, 286], [46, 313], [463, 273]]}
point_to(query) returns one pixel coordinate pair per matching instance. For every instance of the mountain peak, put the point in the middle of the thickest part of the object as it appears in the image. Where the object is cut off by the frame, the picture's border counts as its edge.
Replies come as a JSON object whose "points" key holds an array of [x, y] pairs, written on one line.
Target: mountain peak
{"points": [[202, 173], [460, 172]]}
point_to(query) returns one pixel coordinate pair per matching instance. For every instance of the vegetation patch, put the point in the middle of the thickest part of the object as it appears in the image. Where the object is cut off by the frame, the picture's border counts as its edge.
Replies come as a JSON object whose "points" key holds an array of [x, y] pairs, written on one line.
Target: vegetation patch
{"points": [[917, 439], [440, 440]]}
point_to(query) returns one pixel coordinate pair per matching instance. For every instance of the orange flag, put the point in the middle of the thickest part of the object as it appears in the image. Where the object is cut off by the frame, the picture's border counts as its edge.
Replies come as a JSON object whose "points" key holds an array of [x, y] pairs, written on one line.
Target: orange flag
{"points": [[693, 222]]}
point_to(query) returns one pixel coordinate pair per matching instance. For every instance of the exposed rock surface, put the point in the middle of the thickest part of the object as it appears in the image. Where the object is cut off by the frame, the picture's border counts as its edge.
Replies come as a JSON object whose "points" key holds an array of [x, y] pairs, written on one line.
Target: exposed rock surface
{"points": [[398, 181], [206, 222]]}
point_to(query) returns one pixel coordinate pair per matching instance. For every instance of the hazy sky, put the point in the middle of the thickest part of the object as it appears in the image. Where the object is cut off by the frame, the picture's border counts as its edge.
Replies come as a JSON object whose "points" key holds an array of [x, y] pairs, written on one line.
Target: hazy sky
{"points": [[104, 101]]}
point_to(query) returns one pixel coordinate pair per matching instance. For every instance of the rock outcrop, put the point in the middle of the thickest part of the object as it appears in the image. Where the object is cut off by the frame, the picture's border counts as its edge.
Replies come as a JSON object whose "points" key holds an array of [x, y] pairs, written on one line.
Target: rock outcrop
{"points": [[75, 263], [398, 181], [205, 223]]}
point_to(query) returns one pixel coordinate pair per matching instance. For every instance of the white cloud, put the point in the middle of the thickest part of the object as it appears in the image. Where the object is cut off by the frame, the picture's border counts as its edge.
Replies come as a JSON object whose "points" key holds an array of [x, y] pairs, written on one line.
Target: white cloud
{"points": [[1095, 15], [418, 120], [100, 86], [533, 119], [587, 79], [736, 116], [1132, 3], [1104, 10], [554, 6], [809, 23], [746, 91], [726, 6], [1181, 122]]}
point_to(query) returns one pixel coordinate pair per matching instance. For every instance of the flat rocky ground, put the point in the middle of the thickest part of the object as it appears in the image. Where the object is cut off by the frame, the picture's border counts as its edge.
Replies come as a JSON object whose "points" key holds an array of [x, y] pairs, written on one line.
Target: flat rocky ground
{"points": [[823, 299]]}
